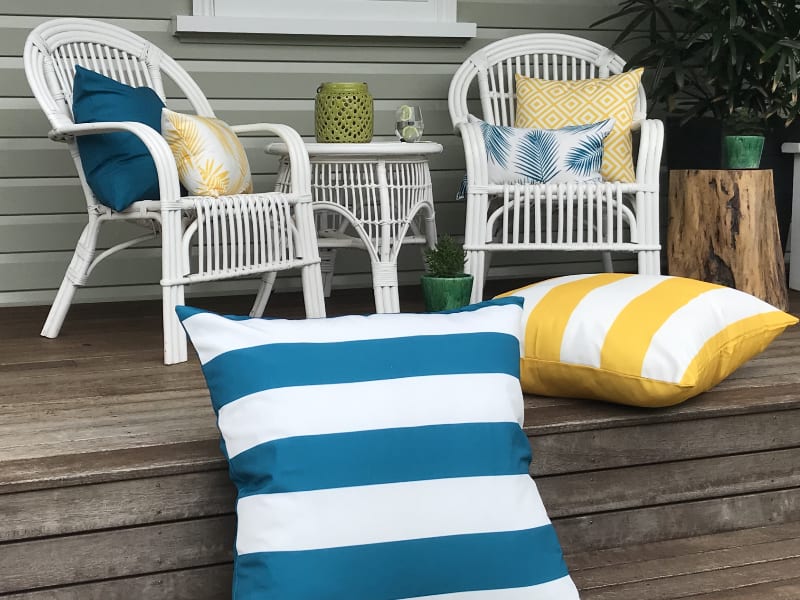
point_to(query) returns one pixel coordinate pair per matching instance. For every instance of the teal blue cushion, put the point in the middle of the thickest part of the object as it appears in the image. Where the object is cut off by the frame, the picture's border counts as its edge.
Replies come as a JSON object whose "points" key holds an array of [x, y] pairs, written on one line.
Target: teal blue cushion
{"points": [[118, 167]]}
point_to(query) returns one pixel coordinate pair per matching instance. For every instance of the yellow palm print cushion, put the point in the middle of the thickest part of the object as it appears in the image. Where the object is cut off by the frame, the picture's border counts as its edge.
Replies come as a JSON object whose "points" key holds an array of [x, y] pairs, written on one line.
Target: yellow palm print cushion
{"points": [[644, 340], [210, 158], [549, 104]]}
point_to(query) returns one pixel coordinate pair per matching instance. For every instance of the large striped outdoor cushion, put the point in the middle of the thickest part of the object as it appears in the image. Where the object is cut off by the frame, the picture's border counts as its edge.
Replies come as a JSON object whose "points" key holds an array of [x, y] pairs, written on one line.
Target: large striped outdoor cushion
{"points": [[645, 340], [380, 457]]}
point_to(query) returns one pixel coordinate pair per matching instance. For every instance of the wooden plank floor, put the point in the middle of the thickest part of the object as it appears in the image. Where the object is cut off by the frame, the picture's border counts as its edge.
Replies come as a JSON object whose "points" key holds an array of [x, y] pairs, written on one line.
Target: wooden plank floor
{"points": [[747, 564], [111, 476]]}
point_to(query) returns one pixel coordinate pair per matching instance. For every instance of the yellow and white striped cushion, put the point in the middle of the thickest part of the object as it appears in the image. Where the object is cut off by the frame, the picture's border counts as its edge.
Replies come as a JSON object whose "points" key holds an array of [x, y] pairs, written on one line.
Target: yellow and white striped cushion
{"points": [[210, 158], [552, 104], [644, 340]]}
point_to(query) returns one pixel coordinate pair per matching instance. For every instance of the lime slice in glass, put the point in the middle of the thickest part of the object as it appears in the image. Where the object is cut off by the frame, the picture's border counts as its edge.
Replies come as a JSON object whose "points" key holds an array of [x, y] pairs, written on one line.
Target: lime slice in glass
{"points": [[411, 133], [405, 113]]}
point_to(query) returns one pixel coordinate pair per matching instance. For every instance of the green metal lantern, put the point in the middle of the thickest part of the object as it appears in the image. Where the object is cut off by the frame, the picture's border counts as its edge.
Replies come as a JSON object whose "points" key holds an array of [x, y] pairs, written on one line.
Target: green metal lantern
{"points": [[343, 113]]}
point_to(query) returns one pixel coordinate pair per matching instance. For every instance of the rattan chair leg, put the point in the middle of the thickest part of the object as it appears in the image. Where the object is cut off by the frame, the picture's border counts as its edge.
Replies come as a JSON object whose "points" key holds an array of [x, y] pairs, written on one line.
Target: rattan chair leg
{"points": [[77, 272], [264, 292]]}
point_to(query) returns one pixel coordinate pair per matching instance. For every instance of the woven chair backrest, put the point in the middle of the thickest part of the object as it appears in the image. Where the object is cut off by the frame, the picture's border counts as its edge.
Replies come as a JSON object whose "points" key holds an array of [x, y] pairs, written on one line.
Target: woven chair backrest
{"points": [[540, 55], [54, 48]]}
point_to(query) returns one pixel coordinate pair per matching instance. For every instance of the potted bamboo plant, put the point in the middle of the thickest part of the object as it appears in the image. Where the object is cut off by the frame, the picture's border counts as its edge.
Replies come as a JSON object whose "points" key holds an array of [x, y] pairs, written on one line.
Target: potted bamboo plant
{"points": [[446, 286], [735, 60]]}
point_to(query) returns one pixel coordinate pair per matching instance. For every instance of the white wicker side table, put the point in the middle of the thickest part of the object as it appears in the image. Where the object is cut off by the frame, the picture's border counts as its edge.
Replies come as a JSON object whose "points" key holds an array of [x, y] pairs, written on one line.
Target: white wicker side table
{"points": [[375, 197]]}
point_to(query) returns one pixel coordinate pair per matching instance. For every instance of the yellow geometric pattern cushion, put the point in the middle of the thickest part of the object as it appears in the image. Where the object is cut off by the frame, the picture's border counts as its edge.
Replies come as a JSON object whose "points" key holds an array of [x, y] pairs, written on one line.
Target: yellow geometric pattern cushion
{"points": [[210, 158], [643, 340], [549, 104]]}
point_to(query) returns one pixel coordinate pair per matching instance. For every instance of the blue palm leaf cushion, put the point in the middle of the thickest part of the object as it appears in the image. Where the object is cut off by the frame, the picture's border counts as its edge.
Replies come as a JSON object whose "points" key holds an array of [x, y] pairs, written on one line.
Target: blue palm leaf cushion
{"points": [[586, 158], [379, 457], [537, 156], [568, 155], [118, 167], [498, 143]]}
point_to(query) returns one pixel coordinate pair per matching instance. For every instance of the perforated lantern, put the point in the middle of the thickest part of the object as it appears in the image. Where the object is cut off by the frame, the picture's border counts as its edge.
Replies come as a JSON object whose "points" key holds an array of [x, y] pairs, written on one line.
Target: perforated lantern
{"points": [[343, 113]]}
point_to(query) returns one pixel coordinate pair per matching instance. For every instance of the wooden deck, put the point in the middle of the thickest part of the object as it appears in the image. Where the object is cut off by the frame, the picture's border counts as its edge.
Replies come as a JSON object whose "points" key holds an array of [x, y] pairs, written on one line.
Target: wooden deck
{"points": [[112, 484]]}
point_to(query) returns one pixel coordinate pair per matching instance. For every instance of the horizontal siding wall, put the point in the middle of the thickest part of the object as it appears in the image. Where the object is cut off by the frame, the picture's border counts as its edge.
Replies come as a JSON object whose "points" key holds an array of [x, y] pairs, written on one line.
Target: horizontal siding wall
{"points": [[247, 80]]}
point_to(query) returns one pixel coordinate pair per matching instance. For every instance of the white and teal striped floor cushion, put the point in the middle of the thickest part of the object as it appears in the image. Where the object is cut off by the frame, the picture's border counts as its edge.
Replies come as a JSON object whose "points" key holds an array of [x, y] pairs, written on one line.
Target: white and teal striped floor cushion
{"points": [[380, 457]]}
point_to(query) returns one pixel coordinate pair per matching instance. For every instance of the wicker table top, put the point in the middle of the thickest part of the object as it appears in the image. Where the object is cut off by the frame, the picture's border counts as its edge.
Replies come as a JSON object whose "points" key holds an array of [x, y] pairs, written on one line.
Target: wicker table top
{"points": [[382, 149]]}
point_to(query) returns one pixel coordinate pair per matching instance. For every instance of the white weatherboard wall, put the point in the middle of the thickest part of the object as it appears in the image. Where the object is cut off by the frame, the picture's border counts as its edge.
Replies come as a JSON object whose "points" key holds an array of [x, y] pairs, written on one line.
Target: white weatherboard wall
{"points": [[247, 79]]}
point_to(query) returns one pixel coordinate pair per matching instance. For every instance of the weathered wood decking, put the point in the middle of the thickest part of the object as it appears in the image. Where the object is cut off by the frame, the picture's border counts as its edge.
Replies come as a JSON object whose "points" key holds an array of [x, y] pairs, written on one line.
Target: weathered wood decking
{"points": [[112, 484]]}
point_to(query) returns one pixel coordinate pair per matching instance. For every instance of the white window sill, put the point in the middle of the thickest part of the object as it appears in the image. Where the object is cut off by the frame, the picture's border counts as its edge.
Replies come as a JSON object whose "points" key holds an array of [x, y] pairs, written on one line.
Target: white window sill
{"points": [[187, 24]]}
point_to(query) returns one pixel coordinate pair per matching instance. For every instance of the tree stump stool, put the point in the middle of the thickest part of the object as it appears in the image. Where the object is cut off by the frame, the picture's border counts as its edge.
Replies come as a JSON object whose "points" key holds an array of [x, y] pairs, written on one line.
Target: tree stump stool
{"points": [[723, 229]]}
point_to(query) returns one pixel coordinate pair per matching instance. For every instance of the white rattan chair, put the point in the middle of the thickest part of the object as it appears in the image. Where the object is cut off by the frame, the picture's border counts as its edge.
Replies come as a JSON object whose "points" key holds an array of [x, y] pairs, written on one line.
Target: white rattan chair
{"points": [[604, 217], [234, 236]]}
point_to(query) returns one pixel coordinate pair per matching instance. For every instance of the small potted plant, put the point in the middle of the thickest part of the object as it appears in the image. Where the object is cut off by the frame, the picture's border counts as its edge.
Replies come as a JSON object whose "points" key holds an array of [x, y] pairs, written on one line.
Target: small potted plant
{"points": [[446, 286], [743, 139]]}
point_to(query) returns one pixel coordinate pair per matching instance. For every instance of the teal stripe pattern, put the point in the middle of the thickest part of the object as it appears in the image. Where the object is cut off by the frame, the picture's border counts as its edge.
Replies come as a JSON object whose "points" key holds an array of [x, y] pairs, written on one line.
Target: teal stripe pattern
{"points": [[379, 457], [286, 365], [491, 561], [384, 456]]}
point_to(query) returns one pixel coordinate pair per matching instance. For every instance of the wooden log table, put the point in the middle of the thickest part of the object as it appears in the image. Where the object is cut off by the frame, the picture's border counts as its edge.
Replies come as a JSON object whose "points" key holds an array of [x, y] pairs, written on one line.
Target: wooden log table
{"points": [[723, 228]]}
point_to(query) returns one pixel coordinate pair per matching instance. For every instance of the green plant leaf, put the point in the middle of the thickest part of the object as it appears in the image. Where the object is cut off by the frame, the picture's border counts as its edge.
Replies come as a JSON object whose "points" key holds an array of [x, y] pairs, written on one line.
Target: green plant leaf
{"points": [[779, 71], [635, 22], [751, 38], [734, 13]]}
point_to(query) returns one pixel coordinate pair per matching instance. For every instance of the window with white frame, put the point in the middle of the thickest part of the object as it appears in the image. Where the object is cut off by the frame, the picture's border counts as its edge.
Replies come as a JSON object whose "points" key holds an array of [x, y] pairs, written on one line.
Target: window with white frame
{"points": [[401, 18]]}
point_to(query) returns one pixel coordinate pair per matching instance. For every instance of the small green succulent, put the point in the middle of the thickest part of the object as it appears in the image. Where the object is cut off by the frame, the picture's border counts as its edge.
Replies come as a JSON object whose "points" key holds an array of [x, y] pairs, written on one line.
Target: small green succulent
{"points": [[446, 258]]}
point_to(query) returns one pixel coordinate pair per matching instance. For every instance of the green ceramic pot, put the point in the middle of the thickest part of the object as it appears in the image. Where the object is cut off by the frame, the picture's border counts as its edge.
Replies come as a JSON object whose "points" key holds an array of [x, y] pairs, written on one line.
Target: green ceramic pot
{"points": [[343, 113], [742, 151], [446, 293]]}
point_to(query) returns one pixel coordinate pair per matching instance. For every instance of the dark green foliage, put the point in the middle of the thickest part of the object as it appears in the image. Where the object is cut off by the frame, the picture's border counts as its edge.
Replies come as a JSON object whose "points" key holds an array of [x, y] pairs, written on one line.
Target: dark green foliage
{"points": [[736, 60], [446, 259]]}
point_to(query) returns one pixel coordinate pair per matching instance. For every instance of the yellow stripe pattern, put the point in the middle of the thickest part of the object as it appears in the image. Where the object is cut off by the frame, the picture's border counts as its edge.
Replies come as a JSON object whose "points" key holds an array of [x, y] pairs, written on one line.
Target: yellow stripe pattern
{"points": [[210, 158], [629, 338], [552, 104], [643, 340], [555, 310]]}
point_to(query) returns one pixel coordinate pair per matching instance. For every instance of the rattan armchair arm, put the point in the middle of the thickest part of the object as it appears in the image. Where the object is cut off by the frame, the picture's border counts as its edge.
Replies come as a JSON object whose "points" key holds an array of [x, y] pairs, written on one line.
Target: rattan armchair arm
{"points": [[156, 145], [298, 155]]}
